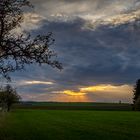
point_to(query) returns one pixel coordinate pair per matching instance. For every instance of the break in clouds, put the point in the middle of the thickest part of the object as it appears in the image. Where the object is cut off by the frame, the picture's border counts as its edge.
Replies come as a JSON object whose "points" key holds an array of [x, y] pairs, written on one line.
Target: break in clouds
{"points": [[98, 42]]}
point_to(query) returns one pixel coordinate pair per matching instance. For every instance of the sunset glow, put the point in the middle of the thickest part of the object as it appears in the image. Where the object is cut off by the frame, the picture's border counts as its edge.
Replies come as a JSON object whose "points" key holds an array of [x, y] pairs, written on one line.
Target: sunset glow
{"points": [[73, 93], [106, 88], [116, 90]]}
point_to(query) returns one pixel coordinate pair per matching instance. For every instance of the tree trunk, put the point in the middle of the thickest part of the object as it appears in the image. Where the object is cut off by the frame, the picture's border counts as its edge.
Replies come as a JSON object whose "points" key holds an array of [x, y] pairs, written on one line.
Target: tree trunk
{"points": [[8, 108]]}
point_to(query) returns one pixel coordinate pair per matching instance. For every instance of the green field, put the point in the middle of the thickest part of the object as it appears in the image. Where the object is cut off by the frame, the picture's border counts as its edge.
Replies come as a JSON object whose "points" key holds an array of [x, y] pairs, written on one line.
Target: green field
{"points": [[31, 124]]}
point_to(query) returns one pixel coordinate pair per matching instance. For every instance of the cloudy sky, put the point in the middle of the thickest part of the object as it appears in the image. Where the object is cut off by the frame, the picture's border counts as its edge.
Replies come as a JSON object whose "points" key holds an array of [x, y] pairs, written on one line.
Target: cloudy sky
{"points": [[98, 42]]}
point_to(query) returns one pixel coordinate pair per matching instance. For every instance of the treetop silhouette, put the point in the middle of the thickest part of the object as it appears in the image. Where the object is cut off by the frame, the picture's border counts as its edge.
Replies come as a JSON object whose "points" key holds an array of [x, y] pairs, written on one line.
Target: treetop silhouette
{"points": [[17, 50]]}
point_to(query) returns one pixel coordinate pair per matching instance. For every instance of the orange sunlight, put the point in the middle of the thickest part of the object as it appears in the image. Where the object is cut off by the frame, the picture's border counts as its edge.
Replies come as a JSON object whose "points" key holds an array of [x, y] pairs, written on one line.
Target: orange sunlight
{"points": [[99, 88], [73, 93]]}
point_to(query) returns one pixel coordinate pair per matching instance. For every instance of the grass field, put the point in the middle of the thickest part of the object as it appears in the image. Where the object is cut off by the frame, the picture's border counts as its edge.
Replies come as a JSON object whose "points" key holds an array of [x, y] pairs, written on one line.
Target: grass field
{"points": [[29, 124]]}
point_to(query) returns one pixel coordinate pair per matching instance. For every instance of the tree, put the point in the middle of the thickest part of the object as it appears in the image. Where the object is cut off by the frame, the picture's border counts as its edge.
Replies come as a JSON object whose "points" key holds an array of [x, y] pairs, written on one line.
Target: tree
{"points": [[136, 98], [137, 104], [17, 50], [8, 96]]}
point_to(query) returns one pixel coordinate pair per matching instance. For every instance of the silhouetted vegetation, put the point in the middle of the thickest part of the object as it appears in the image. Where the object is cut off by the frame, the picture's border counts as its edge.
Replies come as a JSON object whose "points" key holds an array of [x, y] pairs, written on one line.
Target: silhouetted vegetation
{"points": [[8, 96], [136, 98], [18, 49], [137, 104]]}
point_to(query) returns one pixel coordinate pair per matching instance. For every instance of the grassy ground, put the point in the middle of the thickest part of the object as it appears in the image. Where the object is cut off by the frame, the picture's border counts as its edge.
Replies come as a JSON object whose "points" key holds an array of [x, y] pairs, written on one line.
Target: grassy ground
{"points": [[69, 125]]}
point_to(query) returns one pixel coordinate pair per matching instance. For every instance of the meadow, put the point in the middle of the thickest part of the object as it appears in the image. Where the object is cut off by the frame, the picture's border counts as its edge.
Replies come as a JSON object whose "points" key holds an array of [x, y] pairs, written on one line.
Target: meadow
{"points": [[65, 124]]}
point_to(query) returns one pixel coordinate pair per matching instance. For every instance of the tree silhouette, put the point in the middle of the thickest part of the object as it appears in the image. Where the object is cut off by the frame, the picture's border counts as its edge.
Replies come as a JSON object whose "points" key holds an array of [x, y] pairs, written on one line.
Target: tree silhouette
{"points": [[8, 96], [17, 50], [136, 98]]}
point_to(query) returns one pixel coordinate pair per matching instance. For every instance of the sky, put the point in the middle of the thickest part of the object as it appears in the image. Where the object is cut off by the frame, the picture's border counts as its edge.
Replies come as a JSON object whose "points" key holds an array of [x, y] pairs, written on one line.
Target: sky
{"points": [[98, 43]]}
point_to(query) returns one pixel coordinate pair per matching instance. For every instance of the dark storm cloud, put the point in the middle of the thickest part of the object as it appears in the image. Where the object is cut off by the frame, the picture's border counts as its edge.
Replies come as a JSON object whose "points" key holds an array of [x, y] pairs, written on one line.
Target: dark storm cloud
{"points": [[106, 52], [90, 57]]}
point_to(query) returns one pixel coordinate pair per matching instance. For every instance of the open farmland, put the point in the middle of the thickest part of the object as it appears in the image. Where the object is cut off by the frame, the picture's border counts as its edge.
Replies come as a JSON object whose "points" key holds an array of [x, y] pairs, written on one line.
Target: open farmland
{"points": [[75, 106], [39, 124]]}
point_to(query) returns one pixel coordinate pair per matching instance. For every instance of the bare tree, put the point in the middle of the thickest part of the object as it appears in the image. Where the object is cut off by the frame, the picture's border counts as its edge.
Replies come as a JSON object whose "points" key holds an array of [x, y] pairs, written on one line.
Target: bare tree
{"points": [[17, 50]]}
